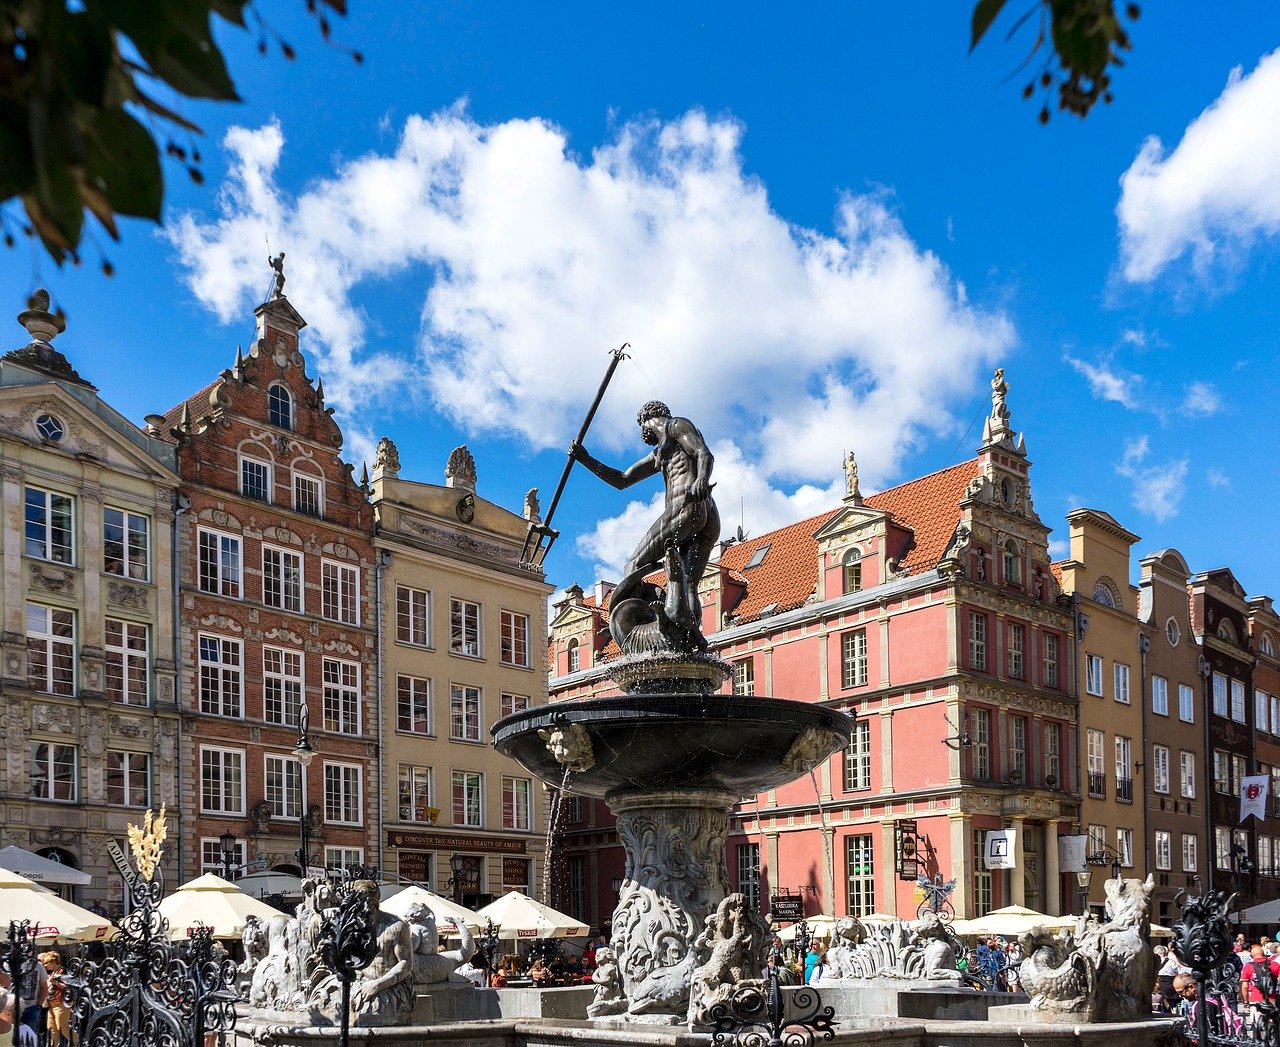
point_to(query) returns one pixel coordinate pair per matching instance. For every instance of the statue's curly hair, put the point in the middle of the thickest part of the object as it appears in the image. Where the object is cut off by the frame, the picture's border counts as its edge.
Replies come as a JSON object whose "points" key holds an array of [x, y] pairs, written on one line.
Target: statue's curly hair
{"points": [[653, 409]]}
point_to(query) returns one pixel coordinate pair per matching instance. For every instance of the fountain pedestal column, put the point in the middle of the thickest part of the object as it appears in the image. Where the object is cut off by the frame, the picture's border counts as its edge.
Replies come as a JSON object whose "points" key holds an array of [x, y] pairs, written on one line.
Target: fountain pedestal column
{"points": [[675, 876]]}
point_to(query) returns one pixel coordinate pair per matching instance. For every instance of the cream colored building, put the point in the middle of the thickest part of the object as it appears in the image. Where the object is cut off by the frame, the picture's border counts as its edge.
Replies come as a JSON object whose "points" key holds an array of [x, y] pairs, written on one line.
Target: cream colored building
{"points": [[1116, 774], [463, 631], [87, 701]]}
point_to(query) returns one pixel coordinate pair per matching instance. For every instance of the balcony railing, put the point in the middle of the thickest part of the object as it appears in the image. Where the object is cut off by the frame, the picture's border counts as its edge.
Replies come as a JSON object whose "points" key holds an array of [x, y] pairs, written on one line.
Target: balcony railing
{"points": [[1124, 789], [1097, 784]]}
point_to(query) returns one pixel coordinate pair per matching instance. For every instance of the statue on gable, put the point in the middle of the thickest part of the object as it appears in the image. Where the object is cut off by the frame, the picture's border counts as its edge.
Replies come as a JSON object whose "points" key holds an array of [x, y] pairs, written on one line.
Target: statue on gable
{"points": [[999, 387], [277, 267], [851, 490], [461, 469]]}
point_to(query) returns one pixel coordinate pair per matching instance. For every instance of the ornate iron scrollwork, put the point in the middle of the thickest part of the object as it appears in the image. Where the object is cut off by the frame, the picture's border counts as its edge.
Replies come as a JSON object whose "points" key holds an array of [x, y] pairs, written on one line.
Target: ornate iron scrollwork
{"points": [[347, 944], [147, 993], [756, 1017]]}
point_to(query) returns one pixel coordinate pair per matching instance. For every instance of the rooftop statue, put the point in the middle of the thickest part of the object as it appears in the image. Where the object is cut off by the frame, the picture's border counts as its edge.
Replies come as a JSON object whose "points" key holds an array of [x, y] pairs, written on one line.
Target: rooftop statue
{"points": [[689, 524]]}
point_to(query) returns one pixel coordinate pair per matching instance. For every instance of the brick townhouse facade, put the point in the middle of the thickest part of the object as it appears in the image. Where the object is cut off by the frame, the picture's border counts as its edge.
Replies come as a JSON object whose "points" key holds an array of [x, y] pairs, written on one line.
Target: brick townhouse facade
{"points": [[276, 577]]}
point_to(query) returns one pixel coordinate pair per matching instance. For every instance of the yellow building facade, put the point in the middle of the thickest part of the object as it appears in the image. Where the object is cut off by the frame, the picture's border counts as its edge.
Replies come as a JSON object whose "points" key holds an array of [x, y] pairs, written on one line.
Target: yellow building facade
{"points": [[463, 626]]}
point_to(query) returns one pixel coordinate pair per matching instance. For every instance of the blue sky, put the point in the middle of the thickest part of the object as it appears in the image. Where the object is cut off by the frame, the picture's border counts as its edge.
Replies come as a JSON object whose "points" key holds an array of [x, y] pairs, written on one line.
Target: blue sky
{"points": [[818, 229]]}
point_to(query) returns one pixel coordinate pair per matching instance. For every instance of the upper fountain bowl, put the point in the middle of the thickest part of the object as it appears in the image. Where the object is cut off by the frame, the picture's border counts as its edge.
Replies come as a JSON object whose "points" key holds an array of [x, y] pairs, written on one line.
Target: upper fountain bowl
{"points": [[672, 741]]}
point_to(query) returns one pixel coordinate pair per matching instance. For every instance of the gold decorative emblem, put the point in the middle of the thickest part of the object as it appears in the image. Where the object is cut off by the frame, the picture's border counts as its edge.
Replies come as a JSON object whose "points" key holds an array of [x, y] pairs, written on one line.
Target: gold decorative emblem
{"points": [[145, 843]]}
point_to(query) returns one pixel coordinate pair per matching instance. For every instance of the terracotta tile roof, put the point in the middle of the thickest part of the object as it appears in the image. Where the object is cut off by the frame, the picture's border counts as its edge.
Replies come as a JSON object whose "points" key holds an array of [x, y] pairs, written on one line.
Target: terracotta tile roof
{"points": [[1055, 569], [930, 506], [197, 403], [788, 574]]}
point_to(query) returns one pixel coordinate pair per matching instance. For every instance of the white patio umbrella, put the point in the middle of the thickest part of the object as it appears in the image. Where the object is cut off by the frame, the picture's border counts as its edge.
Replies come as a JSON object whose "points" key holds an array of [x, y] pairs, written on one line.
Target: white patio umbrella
{"points": [[51, 916], [41, 870], [262, 883], [447, 912], [819, 927], [211, 901], [519, 916], [1011, 922]]}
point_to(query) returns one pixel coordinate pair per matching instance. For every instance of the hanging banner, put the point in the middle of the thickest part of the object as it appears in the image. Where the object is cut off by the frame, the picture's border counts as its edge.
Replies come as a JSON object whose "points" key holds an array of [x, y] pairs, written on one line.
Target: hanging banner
{"points": [[998, 848], [1253, 795], [1071, 853]]}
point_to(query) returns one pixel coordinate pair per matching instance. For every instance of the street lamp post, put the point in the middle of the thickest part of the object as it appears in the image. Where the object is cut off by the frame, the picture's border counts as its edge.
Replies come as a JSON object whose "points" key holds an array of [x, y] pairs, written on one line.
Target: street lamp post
{"points": [[228, 843], [456, 862], [304, 754], [1084, 878]]}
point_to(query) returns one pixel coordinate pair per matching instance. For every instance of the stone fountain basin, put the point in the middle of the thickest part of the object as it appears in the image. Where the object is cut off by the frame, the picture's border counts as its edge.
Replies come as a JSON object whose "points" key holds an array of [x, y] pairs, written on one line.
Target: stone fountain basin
{"points": [[676, 741]]}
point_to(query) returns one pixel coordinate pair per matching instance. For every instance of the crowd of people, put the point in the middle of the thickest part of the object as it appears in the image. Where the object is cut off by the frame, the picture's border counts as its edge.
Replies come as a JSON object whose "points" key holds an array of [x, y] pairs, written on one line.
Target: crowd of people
{"points": [[39, 1007], [1241, 996]]}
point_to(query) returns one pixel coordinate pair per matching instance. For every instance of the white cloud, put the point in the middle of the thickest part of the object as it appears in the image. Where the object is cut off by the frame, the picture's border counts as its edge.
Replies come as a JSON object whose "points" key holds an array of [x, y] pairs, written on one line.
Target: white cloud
{"points": [[1218, 479], [1201, 399], [1059, 548], [1107, 383], [1216, 191], [783, 343], [1157, 489]]}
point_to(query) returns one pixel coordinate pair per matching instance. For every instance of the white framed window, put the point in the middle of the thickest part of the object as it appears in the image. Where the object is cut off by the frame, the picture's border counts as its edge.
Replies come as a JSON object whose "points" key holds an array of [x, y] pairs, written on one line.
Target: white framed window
{"points": [[1237, 701], [340, 592], [1017, 637], [1267, 645], [1018, 748], [1160, 695], [126, 544], [1219, 694], [413, 794], [1238, 771], [1164, 849], [510, 704], [744, 676], [1275, 714], [1222, 847], [464, 712], [468, 799], [279, 406], [859, 860], [852, 571], [573, 655], [1160, 768], [343, 793], [857, 758], [1096, 743], [54, 772], [1124, 847], [413, 704], [464, 628], [1190, 860], [51, 650], [255, 479], [282, 579], [412, 616], [220, 563], [337, 860], [1221, 772], [1097, 835], [1093, 674], [221, 676], [748, 855], [283, 782], [1186, 703], [1012, 564], [1240, 846], [221, 780], [282, 683], [1122, 682], [308, 494], [853, 658], [1124, 768], [982, 879], [1187, 768], [128, 778], [50, 526], [341, 696], [1049, 646], [515, 639], [517, 810], [1261, 710], [212, 861], [1052, 754], [980, 725], [126, 662], [977, 641]]}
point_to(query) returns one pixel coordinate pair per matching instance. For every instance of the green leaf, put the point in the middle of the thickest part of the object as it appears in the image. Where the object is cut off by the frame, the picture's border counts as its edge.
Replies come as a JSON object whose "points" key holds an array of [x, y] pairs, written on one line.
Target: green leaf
{"points": [[984, 13], [124, 164], [17, 166], [173, 38]]}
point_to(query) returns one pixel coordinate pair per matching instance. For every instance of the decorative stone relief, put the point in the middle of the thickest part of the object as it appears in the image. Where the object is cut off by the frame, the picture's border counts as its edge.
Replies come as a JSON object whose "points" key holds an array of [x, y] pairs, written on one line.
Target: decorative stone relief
{"points": [[128, 727], [281, 633], [52, 580], [221, 621], [52, 718], [95, 737], [342, 647], [133, 597], [461, 469]]}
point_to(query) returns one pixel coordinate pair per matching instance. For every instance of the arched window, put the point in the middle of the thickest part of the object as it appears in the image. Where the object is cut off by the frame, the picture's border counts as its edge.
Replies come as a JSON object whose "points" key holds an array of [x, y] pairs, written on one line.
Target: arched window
{"points": [[575, 660], [1012, 563], [1267, 645], [853, 571], [1226, 631], [280, 407], [1103, 595]]}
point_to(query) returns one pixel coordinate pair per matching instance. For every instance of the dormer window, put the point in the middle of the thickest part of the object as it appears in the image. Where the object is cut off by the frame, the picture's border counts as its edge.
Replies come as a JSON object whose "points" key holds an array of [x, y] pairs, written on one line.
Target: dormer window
{"points": [[1103, 595], [757, 558], [852, 574], [280, 407], [575, 656], [1012, 564]]}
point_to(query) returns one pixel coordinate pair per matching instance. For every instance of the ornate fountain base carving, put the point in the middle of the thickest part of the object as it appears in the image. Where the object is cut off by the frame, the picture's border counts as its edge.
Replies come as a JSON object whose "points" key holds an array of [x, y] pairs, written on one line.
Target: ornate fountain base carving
{"points": [[676, 875]]}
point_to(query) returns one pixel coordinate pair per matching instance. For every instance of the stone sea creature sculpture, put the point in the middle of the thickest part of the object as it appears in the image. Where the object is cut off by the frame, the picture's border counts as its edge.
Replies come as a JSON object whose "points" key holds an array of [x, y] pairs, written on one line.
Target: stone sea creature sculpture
{"points": [[1106, 972], [571, 746], [608, 1000], [254, 941], [431, 967], [918, 950], [730, 953]]}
